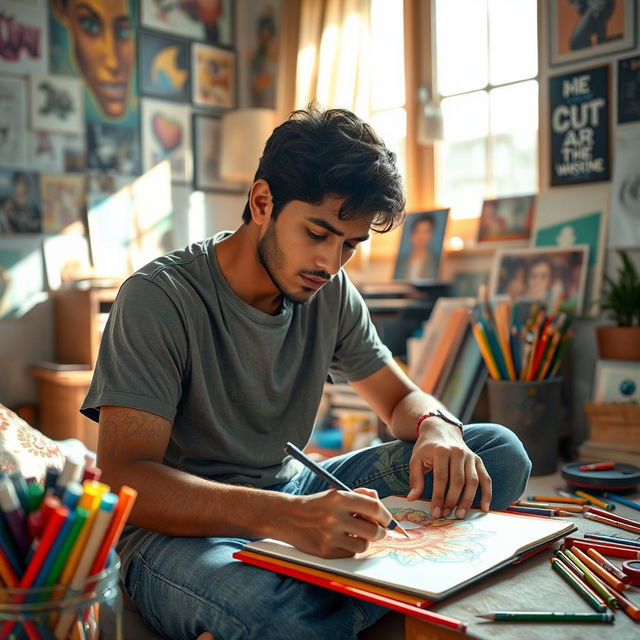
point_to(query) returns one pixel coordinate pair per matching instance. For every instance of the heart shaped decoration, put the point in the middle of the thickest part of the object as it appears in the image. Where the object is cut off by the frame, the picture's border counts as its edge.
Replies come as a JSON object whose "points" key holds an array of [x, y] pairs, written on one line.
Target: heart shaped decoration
{"points": [[168, 132]]}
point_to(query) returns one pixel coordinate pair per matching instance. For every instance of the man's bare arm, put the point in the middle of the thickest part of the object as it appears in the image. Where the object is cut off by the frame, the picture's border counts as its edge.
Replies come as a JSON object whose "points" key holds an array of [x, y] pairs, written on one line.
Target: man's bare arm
{"points": [[131, 447]]}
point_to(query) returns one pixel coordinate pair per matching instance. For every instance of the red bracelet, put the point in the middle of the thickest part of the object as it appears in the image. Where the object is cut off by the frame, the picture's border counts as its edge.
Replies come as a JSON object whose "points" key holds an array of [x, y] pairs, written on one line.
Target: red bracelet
{"points": [[438, 414]]}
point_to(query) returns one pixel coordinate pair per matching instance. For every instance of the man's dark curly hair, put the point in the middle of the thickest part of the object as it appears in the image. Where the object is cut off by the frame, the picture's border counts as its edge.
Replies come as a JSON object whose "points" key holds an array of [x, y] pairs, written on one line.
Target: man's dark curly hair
{"points": [[317, 153]]}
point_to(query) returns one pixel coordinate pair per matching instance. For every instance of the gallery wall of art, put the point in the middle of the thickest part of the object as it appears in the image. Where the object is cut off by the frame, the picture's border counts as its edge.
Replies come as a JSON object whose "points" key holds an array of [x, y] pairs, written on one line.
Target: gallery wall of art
{"points": [[109, 143]]}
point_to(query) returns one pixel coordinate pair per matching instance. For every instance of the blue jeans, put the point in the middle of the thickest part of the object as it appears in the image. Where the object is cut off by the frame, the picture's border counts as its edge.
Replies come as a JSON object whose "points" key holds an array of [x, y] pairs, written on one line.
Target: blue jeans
{"points": [[184, 586]]}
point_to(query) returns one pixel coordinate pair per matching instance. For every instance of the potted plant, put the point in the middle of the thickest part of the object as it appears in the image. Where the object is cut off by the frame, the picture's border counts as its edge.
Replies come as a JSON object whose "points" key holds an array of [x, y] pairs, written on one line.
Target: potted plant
{"points": [[621, 299]]}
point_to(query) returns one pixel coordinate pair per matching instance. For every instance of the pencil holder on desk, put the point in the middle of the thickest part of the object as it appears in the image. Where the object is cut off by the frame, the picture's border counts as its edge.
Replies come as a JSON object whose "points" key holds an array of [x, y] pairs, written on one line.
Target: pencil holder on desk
{"points": [[530, 410], [45, 613]]}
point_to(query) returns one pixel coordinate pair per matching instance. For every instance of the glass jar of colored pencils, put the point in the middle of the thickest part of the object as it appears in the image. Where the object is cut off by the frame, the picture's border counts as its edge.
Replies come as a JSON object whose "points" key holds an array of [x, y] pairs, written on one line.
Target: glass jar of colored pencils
{"points": [[531, 410], [56, 612]]}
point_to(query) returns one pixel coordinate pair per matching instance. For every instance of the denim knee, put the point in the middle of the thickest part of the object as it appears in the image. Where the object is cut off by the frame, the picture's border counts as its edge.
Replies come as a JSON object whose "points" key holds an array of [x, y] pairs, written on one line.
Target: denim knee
{"points": [[507, 462]]}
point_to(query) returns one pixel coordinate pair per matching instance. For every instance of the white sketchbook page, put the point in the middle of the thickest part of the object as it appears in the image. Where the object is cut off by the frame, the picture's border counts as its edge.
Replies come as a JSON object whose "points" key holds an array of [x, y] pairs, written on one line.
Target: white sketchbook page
{"points": [[440, 554]]}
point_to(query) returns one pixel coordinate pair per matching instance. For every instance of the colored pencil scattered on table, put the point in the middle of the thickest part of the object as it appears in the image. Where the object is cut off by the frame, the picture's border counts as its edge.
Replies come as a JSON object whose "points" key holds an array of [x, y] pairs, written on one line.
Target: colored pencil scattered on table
{"points": [[59, 534], [515, 351]]}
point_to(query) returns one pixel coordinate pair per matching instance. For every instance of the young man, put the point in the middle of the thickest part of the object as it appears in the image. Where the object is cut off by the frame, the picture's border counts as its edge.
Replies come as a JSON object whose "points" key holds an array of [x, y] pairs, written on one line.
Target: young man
{"points": [[214, 357]]}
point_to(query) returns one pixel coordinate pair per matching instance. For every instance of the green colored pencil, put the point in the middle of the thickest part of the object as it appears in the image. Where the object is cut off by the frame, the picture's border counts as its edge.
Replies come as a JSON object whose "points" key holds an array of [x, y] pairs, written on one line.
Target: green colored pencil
{"points": [[548, 616], [577, 586], [593, 580]]}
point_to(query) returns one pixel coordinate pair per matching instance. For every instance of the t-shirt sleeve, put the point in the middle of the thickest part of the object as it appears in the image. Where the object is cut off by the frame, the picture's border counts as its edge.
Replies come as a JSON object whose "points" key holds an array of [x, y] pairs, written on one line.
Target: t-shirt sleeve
{"points": [[142, 354], [359, 351]]}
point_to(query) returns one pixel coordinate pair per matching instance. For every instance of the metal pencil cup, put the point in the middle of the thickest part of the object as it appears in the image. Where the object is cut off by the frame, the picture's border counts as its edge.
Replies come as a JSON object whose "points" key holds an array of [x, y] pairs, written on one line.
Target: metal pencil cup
{"points": [[530, 410], [45, 613]]}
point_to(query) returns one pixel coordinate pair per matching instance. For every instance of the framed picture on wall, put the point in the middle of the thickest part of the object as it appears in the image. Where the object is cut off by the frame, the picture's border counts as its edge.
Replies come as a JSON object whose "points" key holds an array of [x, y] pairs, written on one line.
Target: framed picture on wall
{"points": [[210, 22], [554, 277], [206, 155], [213, 77], [25, 38], [617, 381], [580, 141], [585, 29], [506, 219], [57, 104], [13, 120], [163, 66]]}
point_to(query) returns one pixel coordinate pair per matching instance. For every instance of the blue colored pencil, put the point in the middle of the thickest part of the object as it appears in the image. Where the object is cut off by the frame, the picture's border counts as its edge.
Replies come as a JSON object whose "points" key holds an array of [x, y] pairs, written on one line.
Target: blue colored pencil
{"points": [[621, 500], [625, 541]]}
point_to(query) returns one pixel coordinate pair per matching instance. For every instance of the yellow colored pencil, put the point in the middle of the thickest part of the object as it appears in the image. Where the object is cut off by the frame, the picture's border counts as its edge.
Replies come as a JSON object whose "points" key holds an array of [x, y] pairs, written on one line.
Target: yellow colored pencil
{"points": [[502, 326], [481, 339]]}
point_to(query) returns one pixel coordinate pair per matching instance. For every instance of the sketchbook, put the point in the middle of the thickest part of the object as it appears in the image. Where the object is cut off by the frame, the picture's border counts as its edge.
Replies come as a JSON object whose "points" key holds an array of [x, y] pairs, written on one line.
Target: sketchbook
{"points": [[440, 557]]}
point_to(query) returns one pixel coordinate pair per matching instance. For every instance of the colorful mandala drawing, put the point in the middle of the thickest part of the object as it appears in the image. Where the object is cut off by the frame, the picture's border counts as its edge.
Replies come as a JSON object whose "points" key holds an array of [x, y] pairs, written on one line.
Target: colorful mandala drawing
{"points": [[429, 539]]}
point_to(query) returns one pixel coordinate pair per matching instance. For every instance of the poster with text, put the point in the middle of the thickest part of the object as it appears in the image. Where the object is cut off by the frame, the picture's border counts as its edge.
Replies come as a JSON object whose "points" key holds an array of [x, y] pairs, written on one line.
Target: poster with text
{"points": [[13, 120], [24, 46], [580, 126]]}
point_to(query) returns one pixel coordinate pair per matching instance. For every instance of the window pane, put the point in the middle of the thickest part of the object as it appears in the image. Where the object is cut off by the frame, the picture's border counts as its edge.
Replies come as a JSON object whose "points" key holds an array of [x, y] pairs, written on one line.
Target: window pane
{"points": [[514, 138], [513, 40], [391, 126], [387, 55], [466, 117], [461, 45]]}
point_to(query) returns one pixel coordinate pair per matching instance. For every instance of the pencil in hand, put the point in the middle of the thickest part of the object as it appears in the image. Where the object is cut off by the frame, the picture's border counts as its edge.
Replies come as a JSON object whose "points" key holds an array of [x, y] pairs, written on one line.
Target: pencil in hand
{"points": [[293, 451]]}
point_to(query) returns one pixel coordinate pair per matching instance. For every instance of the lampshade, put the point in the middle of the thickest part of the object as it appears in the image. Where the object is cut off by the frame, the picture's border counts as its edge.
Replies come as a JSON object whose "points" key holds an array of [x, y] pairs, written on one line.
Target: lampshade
{"points": [[244, 132]]}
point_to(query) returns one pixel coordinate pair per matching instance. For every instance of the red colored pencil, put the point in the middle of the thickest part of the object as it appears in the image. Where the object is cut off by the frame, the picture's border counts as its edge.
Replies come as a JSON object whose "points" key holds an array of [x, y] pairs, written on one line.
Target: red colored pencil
{"points": [[618, 551], [611, 516], [611, 522]]}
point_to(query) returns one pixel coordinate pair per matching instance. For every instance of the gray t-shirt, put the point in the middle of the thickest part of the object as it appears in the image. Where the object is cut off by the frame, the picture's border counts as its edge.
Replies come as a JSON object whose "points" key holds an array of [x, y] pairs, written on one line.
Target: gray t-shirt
{"points": [[236, 383]]}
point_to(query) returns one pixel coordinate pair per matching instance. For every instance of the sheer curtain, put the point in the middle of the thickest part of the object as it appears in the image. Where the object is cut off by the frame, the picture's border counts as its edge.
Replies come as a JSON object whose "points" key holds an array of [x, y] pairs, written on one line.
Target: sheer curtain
{"points": [[333, 61]]}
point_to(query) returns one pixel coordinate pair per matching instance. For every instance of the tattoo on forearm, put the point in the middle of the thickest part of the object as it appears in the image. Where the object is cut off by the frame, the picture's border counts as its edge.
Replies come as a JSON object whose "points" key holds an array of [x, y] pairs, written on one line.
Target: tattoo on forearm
{"points": [[136, 425]]}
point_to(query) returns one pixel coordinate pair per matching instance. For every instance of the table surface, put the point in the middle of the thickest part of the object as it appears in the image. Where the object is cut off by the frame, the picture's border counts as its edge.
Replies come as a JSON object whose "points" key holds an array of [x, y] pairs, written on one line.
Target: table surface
{"points": [[533, 585]]}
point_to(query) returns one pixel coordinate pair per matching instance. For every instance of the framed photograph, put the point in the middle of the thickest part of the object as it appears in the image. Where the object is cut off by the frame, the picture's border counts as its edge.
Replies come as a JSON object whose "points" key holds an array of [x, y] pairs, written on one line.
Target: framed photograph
{"points": [[629, 90], [163, 66], [624, 227], [13, 120], [21, 274], [580, 30], [19, 202], [553, 277], [617, 381], [206, 156], [166, 135], [421, 245], [213, 77], [210, 22], [57, 104], [66, 259], [63, 203], [506, 219], [25, 38], [579, 108], [111, 147], [258, 33]]}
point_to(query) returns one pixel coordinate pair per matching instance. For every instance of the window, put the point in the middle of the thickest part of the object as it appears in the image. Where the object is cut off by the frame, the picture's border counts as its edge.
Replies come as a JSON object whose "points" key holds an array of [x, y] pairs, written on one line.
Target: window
{"points": [[486, 59]]}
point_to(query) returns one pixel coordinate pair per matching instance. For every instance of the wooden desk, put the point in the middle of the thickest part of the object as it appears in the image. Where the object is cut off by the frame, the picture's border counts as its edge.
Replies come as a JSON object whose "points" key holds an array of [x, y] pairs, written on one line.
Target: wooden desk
{"points": [[60, 395], [532, 585]]}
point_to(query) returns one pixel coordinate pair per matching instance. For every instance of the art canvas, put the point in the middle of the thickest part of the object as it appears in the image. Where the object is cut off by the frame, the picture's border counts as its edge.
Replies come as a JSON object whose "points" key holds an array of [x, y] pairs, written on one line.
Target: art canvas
{"points": [[63, 203], [580, 30], [206, 138], [421, 245], [56, 104], [56, 152], [13, 120], [20, 210], [166, 135], [506, 219], [624, 222], [554, 277], [24, 37], [617, 381], [164, 66], [108, 76], [21, 274], [66, 259], [440, 556], [213, 77], [210, 22], [258, 35]]}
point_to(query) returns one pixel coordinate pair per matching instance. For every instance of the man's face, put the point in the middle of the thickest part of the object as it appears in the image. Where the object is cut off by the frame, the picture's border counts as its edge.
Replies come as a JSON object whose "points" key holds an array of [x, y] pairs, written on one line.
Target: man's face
{"points": [[307, 245], [539, 280]]}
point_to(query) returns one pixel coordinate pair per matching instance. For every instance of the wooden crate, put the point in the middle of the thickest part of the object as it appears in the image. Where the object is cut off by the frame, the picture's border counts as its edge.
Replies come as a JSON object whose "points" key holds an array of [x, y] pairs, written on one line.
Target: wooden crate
{"points": [[619, 423]]}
